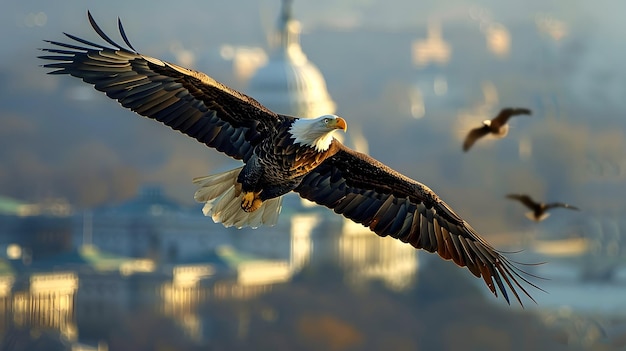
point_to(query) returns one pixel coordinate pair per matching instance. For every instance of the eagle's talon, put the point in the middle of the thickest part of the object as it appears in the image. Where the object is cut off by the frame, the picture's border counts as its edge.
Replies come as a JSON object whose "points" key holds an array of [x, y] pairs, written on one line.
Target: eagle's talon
{"points": [[250, 202]]}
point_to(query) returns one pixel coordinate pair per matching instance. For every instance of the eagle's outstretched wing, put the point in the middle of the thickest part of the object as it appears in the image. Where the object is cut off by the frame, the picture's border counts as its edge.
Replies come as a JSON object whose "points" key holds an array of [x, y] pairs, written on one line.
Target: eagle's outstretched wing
{"points": [[561, 205], [525, 200], [391, 204], [474, 135], [184, 99], [506, 113]]}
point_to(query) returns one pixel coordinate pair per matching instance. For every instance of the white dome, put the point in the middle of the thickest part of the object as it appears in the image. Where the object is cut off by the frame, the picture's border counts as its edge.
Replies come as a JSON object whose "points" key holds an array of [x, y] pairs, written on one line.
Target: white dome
{"points": [[293, 88], [289, 83]]}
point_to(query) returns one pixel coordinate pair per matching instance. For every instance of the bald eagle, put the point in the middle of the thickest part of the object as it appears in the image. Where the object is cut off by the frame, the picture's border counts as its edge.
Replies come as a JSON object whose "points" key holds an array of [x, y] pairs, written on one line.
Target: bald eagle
{"points": [[497, 126], [538, 210], [280, 154]]}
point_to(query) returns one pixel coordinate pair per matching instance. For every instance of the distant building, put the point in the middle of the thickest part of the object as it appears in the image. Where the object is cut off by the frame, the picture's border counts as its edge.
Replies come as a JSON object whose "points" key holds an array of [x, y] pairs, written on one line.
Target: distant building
{"points": [[90, 290], [39, 300], [289, 83], [35, 229], [245, 60], [444, 83], [150, 225], [431, 89], [433, 49], [498, 39]]}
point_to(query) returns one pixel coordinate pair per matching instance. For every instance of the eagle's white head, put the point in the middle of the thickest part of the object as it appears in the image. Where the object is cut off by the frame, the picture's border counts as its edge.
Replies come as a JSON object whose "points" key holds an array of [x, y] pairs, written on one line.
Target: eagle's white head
{"points": [[317, 132], [501, 132]]}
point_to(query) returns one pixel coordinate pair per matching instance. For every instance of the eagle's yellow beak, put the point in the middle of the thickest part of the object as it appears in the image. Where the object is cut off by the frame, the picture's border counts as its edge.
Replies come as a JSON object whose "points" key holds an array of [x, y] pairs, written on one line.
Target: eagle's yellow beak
{"points": [[339, 123]]}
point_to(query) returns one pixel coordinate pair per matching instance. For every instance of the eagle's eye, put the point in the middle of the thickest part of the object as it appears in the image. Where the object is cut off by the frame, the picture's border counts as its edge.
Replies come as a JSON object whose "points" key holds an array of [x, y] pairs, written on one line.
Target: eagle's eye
{"points": [[326, 120]]}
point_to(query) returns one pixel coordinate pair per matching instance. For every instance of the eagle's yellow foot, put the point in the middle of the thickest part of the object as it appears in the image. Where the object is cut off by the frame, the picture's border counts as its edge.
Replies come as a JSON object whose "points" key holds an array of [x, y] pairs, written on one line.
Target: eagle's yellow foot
{"points": [[250, 201]]}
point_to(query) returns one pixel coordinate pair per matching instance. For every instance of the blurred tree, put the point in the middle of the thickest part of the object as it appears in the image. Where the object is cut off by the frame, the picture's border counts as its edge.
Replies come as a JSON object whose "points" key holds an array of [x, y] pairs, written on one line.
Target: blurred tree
{"points": [[149, 331], [327, 332]]}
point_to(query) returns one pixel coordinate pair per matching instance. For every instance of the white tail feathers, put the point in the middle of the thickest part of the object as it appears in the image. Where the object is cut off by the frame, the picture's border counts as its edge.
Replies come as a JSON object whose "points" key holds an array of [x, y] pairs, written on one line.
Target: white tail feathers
{"points": [[222, 200], [531, 215], [504, 131]]}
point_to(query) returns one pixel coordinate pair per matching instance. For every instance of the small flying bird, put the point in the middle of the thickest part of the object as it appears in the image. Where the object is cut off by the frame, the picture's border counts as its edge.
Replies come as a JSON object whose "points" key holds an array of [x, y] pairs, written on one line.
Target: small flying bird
{"points": [[539, 210], [280, 154], [497, 127]]}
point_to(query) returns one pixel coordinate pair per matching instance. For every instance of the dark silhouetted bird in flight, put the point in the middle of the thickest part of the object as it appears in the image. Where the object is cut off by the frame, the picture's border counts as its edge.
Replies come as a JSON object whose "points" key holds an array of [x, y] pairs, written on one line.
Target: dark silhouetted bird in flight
{"points": [[539, 210], [497, 127]]}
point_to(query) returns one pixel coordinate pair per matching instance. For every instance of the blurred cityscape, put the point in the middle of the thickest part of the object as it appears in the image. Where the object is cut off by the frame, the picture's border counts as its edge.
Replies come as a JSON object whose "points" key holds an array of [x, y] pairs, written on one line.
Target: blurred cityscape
{"points": [[101, 247]]}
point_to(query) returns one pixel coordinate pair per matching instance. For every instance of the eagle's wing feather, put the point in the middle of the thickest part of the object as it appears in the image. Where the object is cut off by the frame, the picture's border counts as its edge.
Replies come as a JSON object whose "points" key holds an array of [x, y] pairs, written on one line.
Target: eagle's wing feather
{"points": [[561, 205], [186, 100], [391, 204], [506, 113], [525, 200], [474, 135]]}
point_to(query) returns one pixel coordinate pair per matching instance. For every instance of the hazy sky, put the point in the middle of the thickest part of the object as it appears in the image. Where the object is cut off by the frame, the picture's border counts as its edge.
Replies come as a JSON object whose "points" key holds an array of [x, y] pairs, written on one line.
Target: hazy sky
{"points": [[200, 25], [24, 23]]}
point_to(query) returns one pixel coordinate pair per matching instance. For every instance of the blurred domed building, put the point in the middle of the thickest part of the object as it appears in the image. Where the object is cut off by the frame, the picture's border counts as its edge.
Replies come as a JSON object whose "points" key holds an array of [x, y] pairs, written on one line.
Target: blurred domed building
{"points": [[290, 84], [430, 55]]}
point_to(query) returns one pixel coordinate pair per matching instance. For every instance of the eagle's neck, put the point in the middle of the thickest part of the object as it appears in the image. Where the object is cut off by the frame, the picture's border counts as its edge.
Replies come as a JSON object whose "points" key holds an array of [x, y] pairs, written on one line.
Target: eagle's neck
{"points": [[310, 133]]}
